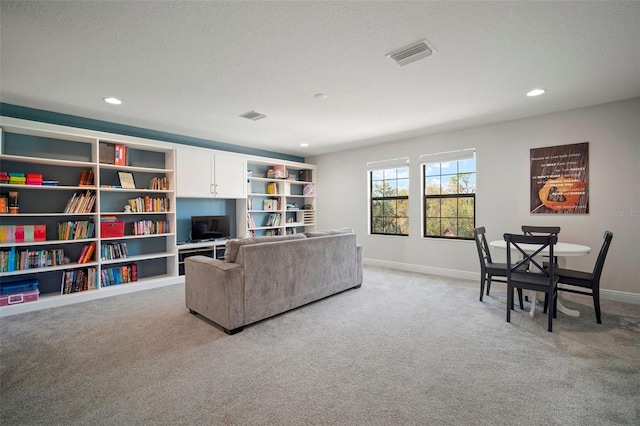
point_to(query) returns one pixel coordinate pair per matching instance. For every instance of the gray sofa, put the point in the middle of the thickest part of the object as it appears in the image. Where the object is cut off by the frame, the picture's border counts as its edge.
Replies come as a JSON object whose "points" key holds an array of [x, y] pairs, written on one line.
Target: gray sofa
{"points": [[265, 276]]}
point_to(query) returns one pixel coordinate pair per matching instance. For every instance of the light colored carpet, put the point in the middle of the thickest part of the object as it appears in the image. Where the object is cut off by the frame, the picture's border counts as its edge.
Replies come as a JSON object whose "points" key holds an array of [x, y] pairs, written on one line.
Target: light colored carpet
{"points": [[404, 349]]}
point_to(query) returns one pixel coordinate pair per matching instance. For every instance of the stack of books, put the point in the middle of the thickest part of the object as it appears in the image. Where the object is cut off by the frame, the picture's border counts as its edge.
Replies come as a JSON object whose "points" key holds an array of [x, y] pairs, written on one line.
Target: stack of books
{"points": [[17, 178], [34, 179], [4, 176]]}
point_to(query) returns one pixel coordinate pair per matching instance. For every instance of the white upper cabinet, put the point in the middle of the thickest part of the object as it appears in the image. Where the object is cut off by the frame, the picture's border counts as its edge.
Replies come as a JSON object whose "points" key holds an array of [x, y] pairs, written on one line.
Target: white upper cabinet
{"points": [[204, 174]]}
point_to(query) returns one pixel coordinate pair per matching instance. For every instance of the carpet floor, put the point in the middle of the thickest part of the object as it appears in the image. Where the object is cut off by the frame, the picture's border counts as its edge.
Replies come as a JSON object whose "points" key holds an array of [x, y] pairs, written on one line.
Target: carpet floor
{"points": [[405, 348]]}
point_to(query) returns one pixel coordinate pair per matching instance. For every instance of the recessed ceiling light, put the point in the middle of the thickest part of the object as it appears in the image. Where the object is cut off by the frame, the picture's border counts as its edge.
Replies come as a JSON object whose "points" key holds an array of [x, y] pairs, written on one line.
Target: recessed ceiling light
{"points": [[536, 92], [304, 144], [113, 101]]}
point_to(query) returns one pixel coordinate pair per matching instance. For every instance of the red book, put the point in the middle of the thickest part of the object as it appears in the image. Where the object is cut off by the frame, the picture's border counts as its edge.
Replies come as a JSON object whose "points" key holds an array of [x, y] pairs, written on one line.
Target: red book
{"points": [[134, 271], [83, 252], [19, 235], [88, 257], [40, 232], [121, 155]]}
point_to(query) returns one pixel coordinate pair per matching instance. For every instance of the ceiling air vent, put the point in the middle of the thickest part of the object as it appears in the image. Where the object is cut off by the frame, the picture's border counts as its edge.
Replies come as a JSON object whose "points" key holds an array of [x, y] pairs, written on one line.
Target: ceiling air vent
{"points": [[412, 53], [253, 115]]}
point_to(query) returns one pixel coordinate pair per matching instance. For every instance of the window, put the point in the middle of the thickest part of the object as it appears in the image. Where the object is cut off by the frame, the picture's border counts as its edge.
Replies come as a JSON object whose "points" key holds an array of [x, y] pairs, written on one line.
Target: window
{"points": [[449, 194], [389, 198]]}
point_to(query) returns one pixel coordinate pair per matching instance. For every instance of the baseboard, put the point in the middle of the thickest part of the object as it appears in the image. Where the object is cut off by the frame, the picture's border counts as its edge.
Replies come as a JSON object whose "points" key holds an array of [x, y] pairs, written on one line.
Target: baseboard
{"points": [[453, 273], [612, 295], [620, 296]]}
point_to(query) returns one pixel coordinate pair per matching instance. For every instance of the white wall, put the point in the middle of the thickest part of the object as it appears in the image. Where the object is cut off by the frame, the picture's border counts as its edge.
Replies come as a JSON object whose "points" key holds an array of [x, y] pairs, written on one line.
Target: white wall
{"points": [[502, 201]]}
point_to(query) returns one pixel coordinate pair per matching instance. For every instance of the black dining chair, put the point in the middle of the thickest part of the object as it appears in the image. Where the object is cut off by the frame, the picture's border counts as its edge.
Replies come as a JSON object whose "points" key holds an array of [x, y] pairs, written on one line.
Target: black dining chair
{"points": [[488, 269], [536, 277], [588, 281], [542, 230]]}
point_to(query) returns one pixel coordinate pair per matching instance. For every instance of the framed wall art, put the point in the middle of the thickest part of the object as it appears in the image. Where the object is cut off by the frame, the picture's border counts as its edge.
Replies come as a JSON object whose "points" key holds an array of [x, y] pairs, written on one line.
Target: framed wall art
{"points": [[560, 179]]}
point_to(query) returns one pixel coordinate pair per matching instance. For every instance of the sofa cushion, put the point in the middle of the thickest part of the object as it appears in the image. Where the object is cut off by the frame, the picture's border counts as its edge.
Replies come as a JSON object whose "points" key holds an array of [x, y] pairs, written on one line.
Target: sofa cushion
{"points": [[232, 246], [326, 232]]}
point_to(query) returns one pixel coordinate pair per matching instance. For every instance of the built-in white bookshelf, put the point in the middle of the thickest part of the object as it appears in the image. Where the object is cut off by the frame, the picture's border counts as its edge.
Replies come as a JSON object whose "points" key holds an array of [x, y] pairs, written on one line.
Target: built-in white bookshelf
{"points": [[62, 156], [280, 198]]}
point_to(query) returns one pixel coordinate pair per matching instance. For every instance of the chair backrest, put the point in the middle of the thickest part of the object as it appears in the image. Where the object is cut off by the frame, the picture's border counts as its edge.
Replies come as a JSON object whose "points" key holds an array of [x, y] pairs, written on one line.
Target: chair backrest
{"points": [[483, 248], [597, 270], [540, 230], [538, 244]]}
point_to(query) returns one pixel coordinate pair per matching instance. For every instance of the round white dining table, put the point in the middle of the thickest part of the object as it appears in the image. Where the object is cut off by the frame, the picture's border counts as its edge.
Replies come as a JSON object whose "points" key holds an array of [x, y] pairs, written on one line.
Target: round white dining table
{"points": [[559, 249]]}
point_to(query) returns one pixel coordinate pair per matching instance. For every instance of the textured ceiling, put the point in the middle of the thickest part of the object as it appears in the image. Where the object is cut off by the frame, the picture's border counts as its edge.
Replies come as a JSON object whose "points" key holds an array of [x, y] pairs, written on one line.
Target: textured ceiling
{"points": [[192, 67]]}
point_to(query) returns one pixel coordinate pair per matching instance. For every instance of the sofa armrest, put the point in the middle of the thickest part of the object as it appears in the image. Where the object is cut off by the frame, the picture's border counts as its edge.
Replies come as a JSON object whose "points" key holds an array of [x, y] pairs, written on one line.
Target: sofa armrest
{"points": [[215, 290]]}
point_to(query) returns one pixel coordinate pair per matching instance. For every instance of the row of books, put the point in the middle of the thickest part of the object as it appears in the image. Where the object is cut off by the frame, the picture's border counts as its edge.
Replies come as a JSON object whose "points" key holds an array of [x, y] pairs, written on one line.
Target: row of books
{"points": [[250, 222], [22, 233], [77, 280], [86, 254], [271, 204], [81, 202], [147, 204], [151, 227], [114, 251], [273, 219], [75, 230], [87, 178], [119, 275], [14, 260], [161, 183]]}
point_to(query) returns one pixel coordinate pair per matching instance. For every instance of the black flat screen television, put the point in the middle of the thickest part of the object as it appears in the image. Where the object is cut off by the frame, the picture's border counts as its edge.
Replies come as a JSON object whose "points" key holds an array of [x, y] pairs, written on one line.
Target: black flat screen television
{"points": [[210, 227]]}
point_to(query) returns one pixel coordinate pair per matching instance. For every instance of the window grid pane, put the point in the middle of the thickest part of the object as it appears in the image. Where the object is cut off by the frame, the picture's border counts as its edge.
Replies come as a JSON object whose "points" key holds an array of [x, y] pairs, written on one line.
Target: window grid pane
{"points": [[449, 199], [389, 201]]}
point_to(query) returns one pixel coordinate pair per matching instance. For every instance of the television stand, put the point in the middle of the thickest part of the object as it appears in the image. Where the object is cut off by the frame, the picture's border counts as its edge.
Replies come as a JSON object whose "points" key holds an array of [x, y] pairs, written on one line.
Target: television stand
{"points": [[214, 249]]}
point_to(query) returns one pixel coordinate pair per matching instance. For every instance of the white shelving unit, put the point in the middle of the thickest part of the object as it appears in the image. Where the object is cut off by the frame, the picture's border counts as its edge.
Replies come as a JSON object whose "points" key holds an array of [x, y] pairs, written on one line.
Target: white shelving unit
{"points": [[279, 202], [61, 153]]}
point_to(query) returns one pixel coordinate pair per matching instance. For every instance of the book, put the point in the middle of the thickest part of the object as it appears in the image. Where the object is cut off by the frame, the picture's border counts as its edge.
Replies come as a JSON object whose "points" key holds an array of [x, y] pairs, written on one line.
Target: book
{"points": [[39, 232], [82, 253], [120, 158], [88, 257], [134, 271]]}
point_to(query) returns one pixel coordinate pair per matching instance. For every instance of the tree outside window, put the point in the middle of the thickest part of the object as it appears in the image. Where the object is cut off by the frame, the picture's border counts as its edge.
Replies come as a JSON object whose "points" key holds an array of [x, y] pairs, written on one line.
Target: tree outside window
{"points": [[389, 201], [449, 201]]}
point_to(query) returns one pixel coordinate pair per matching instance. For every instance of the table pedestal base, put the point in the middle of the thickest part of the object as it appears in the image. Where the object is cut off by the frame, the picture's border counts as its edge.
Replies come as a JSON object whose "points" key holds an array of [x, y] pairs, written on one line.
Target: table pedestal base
{"points": [[561, 307]]}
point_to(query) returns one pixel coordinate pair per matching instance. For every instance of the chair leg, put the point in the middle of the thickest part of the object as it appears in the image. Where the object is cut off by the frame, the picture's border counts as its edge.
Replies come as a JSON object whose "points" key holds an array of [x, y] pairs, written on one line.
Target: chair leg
{"points": [[509, 302], [550, 315], [488, 284], [482, 279], [596, 305]]}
